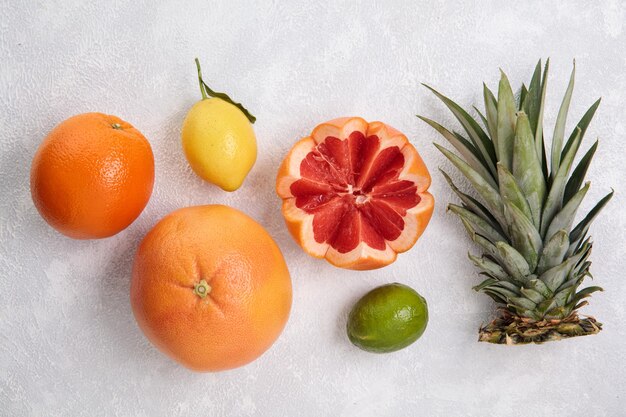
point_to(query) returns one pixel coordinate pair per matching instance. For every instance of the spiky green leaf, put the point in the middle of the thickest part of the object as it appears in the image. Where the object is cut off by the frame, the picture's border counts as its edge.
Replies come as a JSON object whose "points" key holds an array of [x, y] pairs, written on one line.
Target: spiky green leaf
{"points": [[513, 261], [524, 236], [476, 134], [472, 204], [527, 168], [532, 295], [465, 148], [523, 93], [553, 251], [486, 283], [532, 102], [539, 143], [564, 219], [539, 286], [523, 302], [578, 175], [490, 196], [555, 276], [559, 128], [479, 224], [582, 125], [491, 112], [577, 232], [510, 191], [491, 268], [554, 202], [585, 292], [506, 121]]}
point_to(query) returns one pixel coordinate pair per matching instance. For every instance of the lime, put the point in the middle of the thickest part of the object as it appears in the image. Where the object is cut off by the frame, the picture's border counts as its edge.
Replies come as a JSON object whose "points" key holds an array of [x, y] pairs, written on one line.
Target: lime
{"points": [[388, 318]]}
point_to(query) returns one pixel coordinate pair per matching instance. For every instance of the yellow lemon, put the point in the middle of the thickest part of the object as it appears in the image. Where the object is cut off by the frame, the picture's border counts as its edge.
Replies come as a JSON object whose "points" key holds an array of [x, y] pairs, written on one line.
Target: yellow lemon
{"points": [[218, 139]]}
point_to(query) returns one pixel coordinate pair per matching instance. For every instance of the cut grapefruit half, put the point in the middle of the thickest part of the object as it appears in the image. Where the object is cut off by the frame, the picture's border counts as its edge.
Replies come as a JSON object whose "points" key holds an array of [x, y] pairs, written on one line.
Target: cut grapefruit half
{"points": [[355, 193]]}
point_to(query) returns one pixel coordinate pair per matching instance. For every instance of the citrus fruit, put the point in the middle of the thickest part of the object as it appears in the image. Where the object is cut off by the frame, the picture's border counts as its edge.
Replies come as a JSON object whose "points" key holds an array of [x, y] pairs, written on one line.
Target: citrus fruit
{"points": [[387, 318], [218, 139], [355, 193], [210, 288], [92, 176]]}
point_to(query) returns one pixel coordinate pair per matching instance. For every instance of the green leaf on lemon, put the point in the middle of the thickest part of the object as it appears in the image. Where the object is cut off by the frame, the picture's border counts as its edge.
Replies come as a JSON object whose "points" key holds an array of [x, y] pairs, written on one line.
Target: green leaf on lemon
{"points": [[207, 92]]}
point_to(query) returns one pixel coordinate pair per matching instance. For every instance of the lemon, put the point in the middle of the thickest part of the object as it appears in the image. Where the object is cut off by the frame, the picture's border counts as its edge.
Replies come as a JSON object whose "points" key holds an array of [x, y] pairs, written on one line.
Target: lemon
{"points": [[387, 318], [218, 139]]}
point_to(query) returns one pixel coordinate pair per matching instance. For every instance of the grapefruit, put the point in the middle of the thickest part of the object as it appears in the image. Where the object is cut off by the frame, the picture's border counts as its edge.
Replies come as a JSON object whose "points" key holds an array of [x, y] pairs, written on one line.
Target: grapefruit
{"points": [[210, 288], [355, 193]]}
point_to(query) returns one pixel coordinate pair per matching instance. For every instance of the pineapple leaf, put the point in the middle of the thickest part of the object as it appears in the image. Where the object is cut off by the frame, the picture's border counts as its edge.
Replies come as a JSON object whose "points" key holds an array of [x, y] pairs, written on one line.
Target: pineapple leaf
{"points": [[583, 225], [493, 284], [540, 287], [585, 292], [572, 282], [532, 295], [494, 296], [555, 276], [504, 293], [561, 297], [506, 121], [523, 93], [465, 148], [557, 313], [523, 302], [473, 129], [478, 224], [510, 286], [507, 263], [553, 251], [565, 217], [559, 128], [576, 180], [582, 125], [491, 268], [512, 261], [554, 201], [489, 194], [576, 244], [484, 243], [527, 168], [532, 103], [472, 204], [544, 306], [509, 191], [524, 236], [539, 144], [485, 284], [482, 118], [491, 111]]}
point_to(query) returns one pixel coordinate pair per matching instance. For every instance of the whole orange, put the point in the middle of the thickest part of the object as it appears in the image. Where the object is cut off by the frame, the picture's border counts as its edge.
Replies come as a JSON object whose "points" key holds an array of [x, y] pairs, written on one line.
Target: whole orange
{"points": [[210, 288], [92, 176]]}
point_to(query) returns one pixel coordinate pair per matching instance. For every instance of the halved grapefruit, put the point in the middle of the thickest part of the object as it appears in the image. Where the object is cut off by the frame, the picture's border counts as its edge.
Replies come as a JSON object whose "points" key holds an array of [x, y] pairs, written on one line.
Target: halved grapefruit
{"points": [[355, 193]]}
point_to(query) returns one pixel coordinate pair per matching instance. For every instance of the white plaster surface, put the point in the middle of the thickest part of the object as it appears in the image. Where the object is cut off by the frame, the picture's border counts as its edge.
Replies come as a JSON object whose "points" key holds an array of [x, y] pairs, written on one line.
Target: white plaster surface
{"points": [[69, 345]]}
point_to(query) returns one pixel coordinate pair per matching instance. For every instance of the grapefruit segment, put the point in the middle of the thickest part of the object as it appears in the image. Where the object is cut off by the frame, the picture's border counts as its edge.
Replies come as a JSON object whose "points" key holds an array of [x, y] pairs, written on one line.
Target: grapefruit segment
{"points": [[355, 193]]}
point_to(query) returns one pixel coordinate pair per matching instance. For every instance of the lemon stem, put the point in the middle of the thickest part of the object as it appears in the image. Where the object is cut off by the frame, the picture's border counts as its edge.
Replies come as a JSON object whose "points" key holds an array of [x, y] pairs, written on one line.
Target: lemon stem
{"points": [[207, 92], [202, 91], [202, 289], [116, 126]]}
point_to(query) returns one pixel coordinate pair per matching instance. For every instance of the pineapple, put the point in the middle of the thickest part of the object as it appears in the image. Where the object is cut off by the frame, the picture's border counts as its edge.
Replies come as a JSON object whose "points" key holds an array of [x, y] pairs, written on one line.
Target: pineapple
{"points": [[533, 259]]}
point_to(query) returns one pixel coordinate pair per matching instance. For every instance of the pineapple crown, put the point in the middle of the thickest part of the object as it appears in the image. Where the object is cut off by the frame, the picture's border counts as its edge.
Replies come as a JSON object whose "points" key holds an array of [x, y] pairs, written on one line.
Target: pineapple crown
{"points": [[533, 260]]}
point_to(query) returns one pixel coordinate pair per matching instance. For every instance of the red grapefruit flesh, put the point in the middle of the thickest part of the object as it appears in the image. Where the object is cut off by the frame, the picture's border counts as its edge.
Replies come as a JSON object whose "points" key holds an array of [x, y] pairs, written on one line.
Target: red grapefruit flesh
{"points": [[355, 193]]}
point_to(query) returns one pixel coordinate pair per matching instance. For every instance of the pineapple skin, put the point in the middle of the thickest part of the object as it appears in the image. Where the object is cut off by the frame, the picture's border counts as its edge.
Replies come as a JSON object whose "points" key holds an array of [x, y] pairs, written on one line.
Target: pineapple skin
{"points": [[533, 258]]}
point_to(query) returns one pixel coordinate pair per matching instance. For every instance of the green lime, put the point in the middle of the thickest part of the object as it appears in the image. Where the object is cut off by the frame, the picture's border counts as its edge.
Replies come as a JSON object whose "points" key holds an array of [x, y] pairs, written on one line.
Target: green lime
{"points": [[388, 318]]}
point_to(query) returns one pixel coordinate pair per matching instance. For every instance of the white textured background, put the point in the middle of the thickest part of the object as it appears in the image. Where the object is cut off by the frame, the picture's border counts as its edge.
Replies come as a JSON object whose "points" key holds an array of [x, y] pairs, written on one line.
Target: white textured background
{"points": [[69, 345]]}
